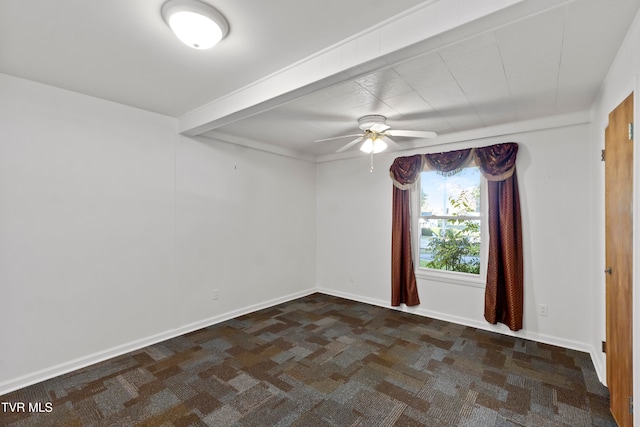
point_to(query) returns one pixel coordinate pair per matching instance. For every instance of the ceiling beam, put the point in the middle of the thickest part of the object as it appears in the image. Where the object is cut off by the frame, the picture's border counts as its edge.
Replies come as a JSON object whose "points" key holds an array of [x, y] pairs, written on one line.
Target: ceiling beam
{"points": [[422, 29]]}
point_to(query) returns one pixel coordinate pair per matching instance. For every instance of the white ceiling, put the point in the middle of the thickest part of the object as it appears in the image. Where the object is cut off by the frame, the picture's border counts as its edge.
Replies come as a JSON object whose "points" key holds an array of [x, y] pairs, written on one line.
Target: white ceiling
{"points": [[532, 60], [123, 51]]}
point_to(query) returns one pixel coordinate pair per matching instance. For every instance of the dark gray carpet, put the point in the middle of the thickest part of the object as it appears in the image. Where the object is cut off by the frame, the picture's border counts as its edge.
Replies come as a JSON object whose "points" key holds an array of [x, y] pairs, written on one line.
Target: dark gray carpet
{"points": [[326, 361]]}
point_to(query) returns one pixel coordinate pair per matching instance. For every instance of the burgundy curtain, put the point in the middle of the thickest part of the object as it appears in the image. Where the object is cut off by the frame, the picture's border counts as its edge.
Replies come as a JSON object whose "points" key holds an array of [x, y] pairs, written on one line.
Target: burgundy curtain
{"points": [[504, 294], [504, 290], [404, 289]]}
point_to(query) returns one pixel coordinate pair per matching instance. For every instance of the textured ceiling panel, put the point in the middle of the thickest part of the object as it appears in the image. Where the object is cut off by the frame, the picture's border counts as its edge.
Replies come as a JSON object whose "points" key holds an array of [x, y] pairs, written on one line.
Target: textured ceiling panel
{"points": [[541, 65]]}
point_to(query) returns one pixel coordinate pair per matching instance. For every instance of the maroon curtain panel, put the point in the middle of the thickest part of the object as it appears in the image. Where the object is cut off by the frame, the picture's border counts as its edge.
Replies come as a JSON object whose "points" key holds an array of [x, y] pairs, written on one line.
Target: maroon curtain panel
{"points": [[504, 296], [504, 292], [504, 289], [404, 288]]}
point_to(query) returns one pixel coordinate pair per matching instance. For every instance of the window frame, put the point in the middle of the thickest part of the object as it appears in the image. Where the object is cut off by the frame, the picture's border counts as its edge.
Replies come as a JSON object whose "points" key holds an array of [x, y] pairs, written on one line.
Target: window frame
{"points": [[453, 277]]}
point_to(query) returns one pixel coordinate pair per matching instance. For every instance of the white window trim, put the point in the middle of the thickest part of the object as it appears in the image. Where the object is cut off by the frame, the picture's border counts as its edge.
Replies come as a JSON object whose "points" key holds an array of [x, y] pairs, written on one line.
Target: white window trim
{"points": [[453, 277]]}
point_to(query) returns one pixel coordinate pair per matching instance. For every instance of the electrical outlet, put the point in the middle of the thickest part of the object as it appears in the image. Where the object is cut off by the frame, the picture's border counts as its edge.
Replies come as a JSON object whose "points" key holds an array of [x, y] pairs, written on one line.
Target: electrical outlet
{"points": [[215, 294], [543, 310]]}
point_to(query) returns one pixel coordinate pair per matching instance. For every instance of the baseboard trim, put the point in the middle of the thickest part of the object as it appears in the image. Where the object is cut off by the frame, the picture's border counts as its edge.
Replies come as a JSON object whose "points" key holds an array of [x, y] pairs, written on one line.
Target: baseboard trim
{"points": [[601, 370], [91, 359], [500, 329]]}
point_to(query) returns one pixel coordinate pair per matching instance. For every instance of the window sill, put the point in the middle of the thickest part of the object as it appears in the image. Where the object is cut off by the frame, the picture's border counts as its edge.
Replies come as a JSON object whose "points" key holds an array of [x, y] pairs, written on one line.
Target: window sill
{"points": [[463, 279]]}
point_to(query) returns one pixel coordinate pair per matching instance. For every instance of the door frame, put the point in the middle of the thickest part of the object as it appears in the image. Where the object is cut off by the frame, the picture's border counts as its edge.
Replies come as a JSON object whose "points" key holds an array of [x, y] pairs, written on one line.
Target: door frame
{"points": [[636, 253]]}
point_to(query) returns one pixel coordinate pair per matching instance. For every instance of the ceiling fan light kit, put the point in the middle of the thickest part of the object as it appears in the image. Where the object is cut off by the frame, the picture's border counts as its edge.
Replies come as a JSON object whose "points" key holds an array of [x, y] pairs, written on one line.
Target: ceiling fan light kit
{"points": [[373, 144], [196, 24]]}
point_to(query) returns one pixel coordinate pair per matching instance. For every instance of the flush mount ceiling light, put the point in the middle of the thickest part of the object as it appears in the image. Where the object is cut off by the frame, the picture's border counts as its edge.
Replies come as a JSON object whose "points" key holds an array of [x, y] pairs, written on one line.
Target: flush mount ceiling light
{"points": [[196, 24]]}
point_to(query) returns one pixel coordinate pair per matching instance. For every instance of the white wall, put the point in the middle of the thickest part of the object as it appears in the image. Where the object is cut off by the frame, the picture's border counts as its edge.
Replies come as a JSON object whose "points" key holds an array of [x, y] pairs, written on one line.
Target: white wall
{"points": [[246, 226], [354, 236], [622, 79], [115, 230], [86, 225]]}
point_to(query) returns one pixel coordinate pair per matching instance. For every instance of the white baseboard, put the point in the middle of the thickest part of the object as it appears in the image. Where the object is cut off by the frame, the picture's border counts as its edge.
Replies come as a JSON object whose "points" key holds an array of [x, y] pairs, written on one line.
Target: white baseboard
{"points": [[500, 329], [601, 369], [82, 362]]}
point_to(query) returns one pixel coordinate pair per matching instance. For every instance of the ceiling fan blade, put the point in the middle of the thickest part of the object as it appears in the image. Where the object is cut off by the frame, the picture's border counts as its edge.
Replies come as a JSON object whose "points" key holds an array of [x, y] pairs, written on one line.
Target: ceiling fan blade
{"points": [[379, 127], [339, 137], [411, 133], [349, 145], [391, 143]]}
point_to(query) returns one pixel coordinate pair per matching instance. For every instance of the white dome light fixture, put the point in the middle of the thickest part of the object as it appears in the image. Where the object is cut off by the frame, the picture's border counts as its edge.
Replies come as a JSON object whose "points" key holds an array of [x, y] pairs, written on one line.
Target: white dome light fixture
{"points": [[196, 24]]}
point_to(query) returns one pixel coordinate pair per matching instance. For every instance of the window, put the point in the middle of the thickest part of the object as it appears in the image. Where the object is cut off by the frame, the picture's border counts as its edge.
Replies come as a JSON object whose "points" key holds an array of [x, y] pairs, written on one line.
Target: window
{"points": [[450, 225]]}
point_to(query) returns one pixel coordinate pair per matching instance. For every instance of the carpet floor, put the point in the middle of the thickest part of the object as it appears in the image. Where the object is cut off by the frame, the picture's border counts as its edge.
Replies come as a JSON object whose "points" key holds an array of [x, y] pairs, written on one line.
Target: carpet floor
{"points": [[326, 361]]}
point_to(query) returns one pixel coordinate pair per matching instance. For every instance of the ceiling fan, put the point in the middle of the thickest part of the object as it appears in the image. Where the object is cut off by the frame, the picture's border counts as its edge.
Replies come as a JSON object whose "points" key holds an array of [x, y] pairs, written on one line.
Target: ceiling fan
{"points": [[376, 135]]}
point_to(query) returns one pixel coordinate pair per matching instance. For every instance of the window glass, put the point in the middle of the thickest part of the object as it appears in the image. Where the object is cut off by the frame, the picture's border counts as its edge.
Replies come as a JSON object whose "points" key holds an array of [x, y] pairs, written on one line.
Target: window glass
{"points": [[450, 221]]}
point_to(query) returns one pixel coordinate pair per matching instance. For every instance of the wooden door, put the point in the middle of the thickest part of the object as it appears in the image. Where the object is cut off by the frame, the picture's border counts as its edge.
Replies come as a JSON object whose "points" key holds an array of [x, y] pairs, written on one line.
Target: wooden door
{"points": [[619, 222]]}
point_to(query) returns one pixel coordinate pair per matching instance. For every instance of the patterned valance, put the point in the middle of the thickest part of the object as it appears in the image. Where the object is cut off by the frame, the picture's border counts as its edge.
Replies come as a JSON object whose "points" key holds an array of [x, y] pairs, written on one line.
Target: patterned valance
{"points": [[496, 162]]}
